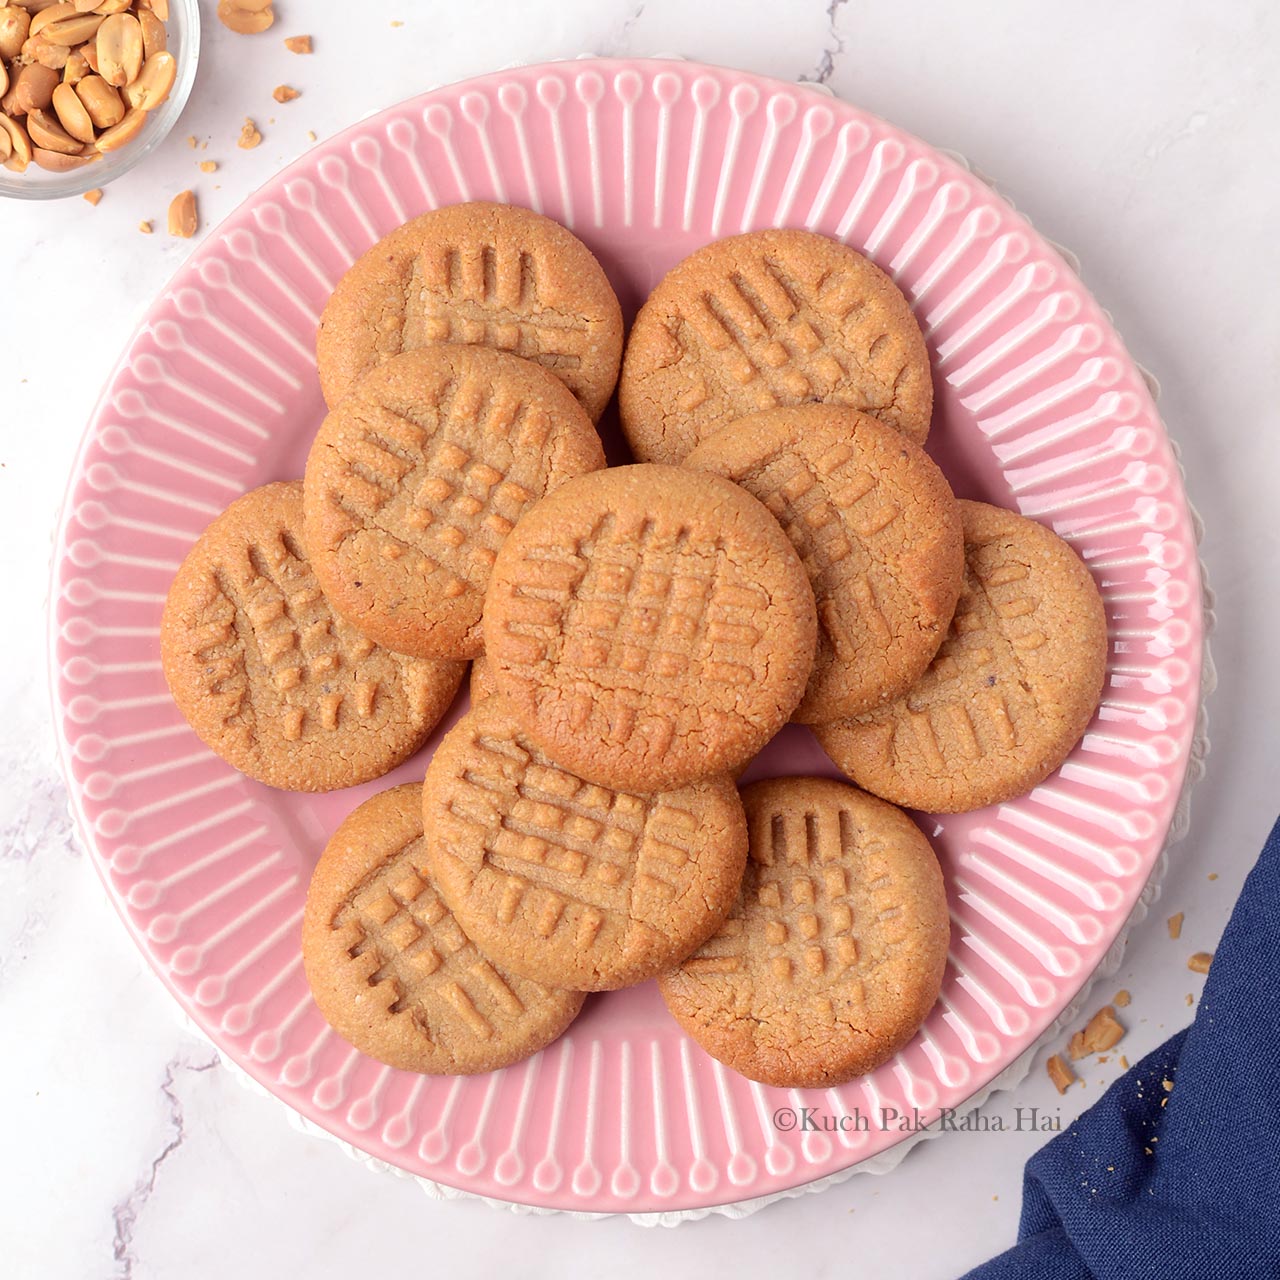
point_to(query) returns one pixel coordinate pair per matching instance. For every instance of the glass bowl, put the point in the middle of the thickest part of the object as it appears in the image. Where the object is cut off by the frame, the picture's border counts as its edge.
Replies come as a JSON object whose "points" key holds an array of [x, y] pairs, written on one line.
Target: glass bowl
{"points": [[183, 31]]}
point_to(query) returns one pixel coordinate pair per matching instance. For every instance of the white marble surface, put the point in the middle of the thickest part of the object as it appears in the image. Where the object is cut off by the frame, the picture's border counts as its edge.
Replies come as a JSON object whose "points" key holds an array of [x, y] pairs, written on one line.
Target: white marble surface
{"points": [[1141, 135]]}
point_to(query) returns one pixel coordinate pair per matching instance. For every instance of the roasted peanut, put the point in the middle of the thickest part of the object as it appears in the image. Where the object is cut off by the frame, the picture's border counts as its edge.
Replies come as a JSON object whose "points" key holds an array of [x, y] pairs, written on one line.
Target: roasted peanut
{"points": [[76, 69], [245, 21], [15, 23], [33, 89], [154, 38], [128, 129], [183, 219], [20, 155], [46, 132], [54, 13], [59, 161], [38, 49], [101, 101], [159, 7], [155, 80], [119, 45], [72, 114], [73, 31]]}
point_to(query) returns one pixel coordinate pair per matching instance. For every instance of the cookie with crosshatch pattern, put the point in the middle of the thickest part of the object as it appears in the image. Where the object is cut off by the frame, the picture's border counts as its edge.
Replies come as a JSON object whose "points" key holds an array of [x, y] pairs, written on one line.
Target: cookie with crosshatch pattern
{"points": [[489, 275], [878, 529], [834, 953], [651, 625], [418, 475], [270, 677], [571, 883], [392, 970], [1012, 688], [764, 320]]}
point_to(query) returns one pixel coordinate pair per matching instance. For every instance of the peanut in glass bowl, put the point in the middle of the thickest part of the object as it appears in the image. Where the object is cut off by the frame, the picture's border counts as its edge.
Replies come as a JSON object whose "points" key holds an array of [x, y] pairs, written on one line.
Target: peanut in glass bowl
{"points": [[183, 37]]}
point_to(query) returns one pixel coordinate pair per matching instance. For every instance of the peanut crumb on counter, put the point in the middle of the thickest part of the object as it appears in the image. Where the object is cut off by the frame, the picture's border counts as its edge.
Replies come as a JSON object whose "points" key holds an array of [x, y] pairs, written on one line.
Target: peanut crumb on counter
{"points": [[395, 22], [93, 196], [1060, 1073], [249, 135], [1175, 925], [1190, 999], [1213, 875], [1124, 1062], [285, 93], [311, 135], [1200, 962], [1122, 998], [298, 44], [208, 166], [1102, 1032], [192, 141], [145, 228]]}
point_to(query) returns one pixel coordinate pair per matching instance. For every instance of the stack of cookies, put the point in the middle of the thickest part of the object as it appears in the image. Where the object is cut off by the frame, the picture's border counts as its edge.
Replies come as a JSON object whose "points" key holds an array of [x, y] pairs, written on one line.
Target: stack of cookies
{"points": [[784, 550]]}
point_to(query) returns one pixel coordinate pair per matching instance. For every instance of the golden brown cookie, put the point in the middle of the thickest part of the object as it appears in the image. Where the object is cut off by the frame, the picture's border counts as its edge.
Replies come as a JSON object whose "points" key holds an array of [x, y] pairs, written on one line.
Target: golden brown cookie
{"points": [[765, 320], [418, 475], [269, 677], [489, 275], [567, 882], [878, 529], [651, 625], [392, 971], [1013, 687], [480, 685], [834, 953]]}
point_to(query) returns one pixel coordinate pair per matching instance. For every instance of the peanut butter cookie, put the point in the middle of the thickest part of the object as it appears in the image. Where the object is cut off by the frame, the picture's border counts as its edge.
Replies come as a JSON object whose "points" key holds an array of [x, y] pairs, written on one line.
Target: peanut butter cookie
{"points": [[651, 625], [1013, 687], [392, 971], [878, 529], [269, 677], [765, 320], [834, 953], [489, 275], [418, 475], [480, 684], [567, 882]]}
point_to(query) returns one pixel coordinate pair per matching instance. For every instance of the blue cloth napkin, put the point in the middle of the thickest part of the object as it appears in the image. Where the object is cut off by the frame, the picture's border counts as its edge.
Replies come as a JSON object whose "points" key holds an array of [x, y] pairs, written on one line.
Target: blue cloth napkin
{"points": [[1190, 1190]]}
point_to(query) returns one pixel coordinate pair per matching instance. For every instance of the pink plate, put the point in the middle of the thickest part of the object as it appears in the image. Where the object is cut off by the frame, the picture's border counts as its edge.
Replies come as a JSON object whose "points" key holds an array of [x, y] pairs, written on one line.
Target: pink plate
{"points": [[1039, 407]]}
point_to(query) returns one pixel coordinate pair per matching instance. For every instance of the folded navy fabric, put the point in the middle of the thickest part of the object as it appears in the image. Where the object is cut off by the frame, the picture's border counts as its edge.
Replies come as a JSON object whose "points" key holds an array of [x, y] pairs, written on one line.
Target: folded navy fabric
{"points": [[1189, 1190]]}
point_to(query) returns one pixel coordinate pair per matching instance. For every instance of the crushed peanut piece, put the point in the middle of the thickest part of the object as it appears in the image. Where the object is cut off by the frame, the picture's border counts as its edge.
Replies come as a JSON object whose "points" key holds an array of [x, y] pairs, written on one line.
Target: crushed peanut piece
{"points": [[145, 228], [193, 142], [285, 93], [311, 135], [1060, 1073], [298, 44], [249, 135], [1213, 875], [1175, 925], [1200, 962], [208, 166], [1167, 1085], [93, 196], [1102, 1032], [395, 22], [1124, 1062], [1190, 999], [1122, 998]]}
